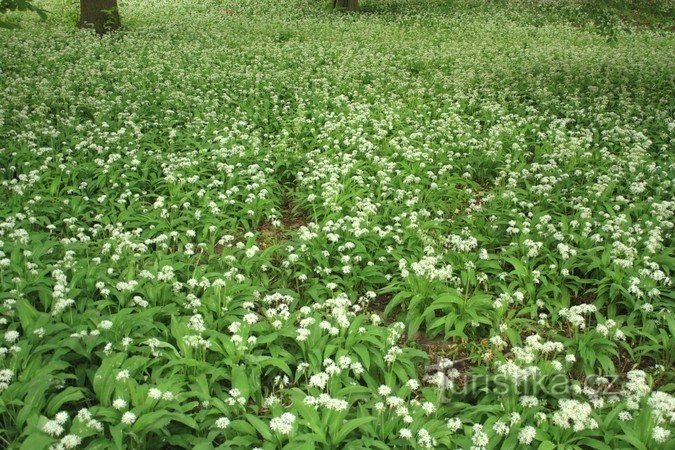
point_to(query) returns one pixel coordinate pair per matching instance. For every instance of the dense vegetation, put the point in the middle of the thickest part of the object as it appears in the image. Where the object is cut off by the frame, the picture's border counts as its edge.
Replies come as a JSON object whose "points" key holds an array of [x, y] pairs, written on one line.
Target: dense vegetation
{"points": [[256, 223]]}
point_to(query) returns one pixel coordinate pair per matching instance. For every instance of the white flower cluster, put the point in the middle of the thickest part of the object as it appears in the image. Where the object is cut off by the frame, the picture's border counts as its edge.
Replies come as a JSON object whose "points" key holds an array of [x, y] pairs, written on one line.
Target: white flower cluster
{"points": [[283, 424]]}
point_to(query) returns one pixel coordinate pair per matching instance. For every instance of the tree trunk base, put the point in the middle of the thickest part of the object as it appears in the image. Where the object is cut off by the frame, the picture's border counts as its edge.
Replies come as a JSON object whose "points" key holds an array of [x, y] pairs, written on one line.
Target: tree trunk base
{"points": [[100, 15], [349, 5]]}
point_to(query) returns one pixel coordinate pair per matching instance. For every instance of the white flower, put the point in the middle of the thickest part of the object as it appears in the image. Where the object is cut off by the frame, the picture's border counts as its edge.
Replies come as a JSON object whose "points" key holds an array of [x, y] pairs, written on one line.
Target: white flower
{"points": [[122, 375], [52, 428], [660, 434], [384, 390], [71, 441], [529, 401], [625, 416], [155, 393], [428, 408], [454, 424], [84, 415], [574, 414], [526, 435], [319, 380], [11, 336], [250, 318], [6, 375], [222, 423], [501, 428], [119, 403], [283, 424], [61, 417], [663, 406], [479, 438], [128, 418]]}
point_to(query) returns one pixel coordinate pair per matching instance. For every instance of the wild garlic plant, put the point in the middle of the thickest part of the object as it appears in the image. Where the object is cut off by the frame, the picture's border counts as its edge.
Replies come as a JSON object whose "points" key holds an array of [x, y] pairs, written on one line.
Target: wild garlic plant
{"points": [[265, 224]]}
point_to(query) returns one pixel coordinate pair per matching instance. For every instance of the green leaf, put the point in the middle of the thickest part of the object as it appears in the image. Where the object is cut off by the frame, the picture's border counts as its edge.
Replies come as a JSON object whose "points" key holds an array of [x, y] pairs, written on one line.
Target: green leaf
{"points": [[546, 445], [634, 441], [277, 362], [260, 426], [37, 441], [593, 443], [151, 421], [350, 426], [240, 380], [104, 378], [69, 394], [117, 433], [28, 315]]}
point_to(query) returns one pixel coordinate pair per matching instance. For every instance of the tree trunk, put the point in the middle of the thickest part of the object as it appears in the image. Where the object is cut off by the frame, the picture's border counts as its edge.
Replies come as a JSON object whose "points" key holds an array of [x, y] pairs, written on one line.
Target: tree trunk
{"points": [[349, 5], [101, 15]]}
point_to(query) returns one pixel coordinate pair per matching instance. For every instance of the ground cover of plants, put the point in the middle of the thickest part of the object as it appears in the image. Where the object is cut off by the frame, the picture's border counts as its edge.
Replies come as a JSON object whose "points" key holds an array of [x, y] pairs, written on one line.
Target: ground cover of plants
{"points": [[258, 224]]}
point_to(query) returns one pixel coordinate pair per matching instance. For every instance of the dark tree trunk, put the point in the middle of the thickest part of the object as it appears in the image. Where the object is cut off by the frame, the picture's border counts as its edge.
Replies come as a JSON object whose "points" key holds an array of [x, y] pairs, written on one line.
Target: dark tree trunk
{"points": [[349, 5], [101, 15]]}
